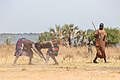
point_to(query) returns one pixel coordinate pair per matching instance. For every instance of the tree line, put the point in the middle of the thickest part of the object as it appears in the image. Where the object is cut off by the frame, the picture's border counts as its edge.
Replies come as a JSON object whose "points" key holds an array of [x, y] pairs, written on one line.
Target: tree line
{"points": [[70, 32]]}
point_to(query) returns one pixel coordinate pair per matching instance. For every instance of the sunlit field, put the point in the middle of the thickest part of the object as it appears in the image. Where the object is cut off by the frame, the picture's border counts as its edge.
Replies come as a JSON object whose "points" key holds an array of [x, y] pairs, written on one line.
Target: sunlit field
{"points": [[74, 64]]}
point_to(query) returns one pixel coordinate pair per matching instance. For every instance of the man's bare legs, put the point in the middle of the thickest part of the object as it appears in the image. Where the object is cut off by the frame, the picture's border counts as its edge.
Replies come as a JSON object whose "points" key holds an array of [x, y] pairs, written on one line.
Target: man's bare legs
{"points": [[53, 57], [15, 60]]}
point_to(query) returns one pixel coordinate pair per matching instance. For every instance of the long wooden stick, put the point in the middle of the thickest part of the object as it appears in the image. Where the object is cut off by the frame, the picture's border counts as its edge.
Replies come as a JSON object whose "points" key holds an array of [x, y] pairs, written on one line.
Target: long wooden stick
{"points": [[93, 25]]}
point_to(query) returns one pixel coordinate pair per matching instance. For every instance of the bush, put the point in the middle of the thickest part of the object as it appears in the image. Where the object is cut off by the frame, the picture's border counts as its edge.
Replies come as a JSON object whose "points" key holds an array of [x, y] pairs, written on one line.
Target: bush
{"points": [[113, 35], [8, 41]]}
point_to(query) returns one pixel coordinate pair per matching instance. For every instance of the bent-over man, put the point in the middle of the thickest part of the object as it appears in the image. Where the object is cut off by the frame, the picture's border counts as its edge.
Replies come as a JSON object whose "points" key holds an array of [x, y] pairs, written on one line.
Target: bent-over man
{"points": [[52, 51], [24, 47]]}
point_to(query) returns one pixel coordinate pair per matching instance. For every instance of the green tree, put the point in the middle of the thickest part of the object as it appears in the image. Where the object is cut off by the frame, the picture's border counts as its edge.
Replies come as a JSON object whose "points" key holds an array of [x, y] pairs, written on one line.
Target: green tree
{"points": [[57, 33], [113, 35], [46, 36], [68, 30], [90, 34]]}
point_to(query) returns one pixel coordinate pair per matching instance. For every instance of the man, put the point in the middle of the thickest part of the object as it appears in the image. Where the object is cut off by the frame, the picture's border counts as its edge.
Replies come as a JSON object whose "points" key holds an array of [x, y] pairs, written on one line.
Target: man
{"points": [[24, 47], [100, 36], [52, 51]]}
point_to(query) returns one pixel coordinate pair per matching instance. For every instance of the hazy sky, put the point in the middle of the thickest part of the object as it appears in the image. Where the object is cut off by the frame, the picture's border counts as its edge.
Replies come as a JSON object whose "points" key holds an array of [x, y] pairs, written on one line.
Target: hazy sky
{"points": [[40, 15]]}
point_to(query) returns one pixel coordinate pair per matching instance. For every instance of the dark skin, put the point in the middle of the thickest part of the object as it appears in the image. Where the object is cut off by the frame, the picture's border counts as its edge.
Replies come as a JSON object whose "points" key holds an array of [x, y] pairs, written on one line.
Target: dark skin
{"points": [[99, 48], [30, 57], [46, 45], [53, 57]]}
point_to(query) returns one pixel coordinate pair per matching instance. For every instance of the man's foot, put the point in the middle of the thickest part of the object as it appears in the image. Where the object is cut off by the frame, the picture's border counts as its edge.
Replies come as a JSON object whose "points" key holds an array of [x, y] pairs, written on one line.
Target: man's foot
{"points": [[95, 61], [107, 62], [56, 64], [13, 64], [31, 64]]}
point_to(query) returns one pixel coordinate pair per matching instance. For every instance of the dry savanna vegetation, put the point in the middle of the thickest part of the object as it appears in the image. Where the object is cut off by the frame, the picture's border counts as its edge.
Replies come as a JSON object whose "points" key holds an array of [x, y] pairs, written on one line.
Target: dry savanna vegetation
{"points": [[74, 64]]}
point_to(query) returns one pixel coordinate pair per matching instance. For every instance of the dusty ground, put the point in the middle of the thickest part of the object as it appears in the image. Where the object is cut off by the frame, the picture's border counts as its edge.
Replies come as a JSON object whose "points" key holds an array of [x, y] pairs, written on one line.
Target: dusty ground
{"points": [[72, 68], [66, 71]]}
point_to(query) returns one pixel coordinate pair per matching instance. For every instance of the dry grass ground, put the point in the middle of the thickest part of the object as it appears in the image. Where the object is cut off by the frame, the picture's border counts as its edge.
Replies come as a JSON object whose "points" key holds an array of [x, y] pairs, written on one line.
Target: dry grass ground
{"points": [[74, 64]]}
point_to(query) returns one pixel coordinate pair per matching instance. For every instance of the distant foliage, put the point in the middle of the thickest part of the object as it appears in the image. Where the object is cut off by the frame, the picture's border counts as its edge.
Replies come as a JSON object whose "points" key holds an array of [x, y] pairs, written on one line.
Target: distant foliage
{"points": [[113, 35], [90, 34], [63, 33], [46, 36], [8, 41]]}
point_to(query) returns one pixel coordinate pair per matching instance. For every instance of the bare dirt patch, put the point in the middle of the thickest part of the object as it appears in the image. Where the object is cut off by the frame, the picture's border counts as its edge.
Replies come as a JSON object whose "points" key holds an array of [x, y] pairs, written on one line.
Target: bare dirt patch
{"points": [[78, 66]]}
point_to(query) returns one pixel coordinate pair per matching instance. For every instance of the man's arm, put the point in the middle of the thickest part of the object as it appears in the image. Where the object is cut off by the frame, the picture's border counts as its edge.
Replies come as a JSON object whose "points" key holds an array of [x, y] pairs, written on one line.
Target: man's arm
{"points": [[104, 37], [50, 43], [34, 48], [38, 52], [96, 35]]}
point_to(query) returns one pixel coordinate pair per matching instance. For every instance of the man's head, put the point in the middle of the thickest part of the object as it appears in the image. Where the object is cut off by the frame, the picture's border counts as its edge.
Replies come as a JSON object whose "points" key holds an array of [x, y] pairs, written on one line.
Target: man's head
{"points": [[101, 26], [23, 38]]}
